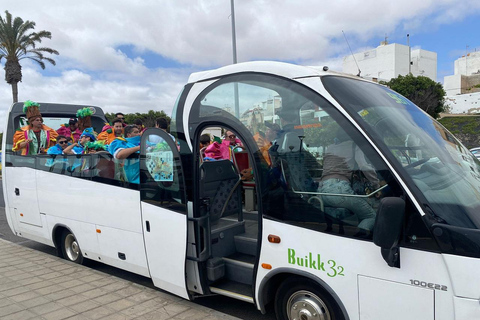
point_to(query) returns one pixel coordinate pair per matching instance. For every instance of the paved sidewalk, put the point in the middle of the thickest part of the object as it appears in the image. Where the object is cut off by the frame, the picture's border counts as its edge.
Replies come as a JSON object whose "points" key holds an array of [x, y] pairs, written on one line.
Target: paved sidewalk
{"points": [[35, 285]]}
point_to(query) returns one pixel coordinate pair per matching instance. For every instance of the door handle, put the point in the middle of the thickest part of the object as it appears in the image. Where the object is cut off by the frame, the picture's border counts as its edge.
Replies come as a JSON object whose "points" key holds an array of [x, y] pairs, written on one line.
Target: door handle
{"points": [[17, 191], [147, 225]]}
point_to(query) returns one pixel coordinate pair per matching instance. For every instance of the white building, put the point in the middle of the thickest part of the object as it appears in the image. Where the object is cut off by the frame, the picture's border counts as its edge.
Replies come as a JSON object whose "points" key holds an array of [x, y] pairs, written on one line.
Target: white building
{"points": [[387, 61], [468, 103], [466, 75]]}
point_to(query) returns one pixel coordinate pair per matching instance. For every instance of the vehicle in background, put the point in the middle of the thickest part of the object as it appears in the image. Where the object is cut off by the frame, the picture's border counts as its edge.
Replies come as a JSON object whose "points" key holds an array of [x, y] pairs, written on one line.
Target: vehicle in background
{"points": [[476, 152]]}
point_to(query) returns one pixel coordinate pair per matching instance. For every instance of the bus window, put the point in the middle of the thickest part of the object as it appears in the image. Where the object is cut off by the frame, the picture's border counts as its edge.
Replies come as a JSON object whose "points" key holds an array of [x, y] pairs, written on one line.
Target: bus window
{"points": [[162, 186], [330, 179]]}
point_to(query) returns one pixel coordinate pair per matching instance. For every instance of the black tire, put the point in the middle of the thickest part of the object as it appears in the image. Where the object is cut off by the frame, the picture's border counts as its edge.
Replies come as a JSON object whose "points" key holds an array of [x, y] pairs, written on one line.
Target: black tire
{"points": [[302, 299], [70, 247]]}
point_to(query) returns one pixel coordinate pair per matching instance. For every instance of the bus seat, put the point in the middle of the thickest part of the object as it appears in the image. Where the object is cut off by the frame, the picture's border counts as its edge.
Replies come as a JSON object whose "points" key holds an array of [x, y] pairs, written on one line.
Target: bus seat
{"points": [[220, 182]]}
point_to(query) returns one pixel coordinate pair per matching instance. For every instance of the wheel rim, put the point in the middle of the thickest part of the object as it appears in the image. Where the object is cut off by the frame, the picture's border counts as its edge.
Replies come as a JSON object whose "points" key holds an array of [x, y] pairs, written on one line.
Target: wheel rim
{"points": [[71, 247], [304, 305]]}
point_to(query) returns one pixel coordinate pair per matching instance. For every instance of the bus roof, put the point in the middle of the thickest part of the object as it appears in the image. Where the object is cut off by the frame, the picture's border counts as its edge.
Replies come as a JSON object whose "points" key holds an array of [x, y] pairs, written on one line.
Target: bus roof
{"points": [[283, 69]]}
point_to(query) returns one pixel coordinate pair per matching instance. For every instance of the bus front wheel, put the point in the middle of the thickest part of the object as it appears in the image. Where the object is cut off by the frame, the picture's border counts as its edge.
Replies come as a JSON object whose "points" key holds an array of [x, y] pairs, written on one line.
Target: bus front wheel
{"points": [[70, 248], [298, 298]]}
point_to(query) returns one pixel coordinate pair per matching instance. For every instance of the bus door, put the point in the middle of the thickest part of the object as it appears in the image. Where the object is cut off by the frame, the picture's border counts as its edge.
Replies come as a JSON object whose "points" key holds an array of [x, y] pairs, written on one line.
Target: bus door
{"points": [[163, 205]]}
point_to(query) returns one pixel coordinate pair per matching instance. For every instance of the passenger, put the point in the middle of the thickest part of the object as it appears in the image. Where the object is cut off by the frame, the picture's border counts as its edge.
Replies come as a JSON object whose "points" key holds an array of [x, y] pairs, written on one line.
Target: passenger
{"points": [[289, 138], [205, 140], [231, 140], [340, 160], [229, 145], [62, 143], [118, 115], [35, 137], [71, 130], [213, 152], [264, 140], [111, 134], [139, 124], [88, 135], [161, 123], [70, 140], [122, 148], [121, 116]]}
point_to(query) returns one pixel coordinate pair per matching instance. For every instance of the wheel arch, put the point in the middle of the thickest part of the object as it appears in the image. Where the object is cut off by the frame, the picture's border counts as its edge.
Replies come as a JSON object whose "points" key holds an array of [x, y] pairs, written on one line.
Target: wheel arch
{"points": [[57, 236], [272, 281]]}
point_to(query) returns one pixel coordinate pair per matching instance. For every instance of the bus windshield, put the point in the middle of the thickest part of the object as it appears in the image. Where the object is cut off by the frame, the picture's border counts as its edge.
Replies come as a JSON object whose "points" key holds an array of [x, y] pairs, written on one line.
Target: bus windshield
{"points": [[444, 170]]}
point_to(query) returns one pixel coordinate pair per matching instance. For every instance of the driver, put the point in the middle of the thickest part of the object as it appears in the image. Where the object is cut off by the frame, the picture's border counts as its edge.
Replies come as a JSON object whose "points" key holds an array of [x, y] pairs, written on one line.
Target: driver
{"points": [[340, 161]]}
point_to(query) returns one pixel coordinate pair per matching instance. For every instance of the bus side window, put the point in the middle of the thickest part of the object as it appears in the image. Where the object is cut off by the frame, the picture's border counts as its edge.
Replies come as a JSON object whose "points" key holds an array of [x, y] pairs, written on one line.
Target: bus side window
{"points": [[162, 185]]}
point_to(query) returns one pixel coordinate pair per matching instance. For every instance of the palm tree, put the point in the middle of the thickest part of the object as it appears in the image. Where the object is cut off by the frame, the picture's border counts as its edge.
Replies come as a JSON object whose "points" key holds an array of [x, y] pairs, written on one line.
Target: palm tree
{"points": [[18, 42]]}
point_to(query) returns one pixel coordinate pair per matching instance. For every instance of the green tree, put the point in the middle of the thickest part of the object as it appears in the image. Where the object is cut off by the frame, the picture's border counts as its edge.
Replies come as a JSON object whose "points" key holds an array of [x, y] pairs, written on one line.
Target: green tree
{"points": [[17, 42], [148, 119], [423, 91]]}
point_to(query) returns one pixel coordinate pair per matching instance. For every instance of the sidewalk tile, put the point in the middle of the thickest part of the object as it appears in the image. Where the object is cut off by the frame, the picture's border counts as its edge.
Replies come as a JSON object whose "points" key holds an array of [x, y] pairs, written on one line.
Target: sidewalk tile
{"points": [[99, 313], [59, 314], [46, 308], [22, 315]]}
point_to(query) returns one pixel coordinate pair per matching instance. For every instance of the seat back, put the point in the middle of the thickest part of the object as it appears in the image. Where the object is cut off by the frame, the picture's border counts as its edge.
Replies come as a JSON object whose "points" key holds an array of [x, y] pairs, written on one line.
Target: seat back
{"points": [[220, 183]]}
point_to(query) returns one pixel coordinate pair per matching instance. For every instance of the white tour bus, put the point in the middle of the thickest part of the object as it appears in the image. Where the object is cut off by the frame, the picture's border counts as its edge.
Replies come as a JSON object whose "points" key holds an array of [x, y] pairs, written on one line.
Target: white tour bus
{"points": [[361, 205]]}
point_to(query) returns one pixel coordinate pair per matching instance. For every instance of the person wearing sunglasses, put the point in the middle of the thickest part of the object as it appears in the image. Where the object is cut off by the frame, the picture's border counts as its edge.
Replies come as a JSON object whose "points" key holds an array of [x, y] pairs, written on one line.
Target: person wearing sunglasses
{"points": [[62, 143], [230, 144]]}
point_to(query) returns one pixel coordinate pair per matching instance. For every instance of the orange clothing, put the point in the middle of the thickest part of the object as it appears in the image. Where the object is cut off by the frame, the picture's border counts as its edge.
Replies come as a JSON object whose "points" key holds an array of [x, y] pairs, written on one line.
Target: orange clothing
{"points": [[48, 138], [106, 136], [263, 145]]}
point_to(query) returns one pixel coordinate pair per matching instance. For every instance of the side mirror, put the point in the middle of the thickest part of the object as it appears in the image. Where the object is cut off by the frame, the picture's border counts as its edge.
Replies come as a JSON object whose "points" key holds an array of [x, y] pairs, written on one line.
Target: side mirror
{"points": [[388, 226]]}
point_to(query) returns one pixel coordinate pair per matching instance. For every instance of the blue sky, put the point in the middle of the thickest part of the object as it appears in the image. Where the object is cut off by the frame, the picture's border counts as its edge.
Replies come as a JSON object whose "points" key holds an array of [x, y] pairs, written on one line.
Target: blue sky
{"points": [[129, 56]]}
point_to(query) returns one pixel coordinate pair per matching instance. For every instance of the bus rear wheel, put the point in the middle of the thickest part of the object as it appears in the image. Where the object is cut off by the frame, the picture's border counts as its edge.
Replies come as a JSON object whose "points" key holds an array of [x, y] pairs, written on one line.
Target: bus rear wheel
{"points": [[70, 247], [297, 298]]}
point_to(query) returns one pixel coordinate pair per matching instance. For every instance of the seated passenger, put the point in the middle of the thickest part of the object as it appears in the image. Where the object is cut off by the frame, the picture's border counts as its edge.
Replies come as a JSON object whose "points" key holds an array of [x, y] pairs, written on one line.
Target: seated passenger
{"points": [[205, 140], [264, 140], [340, 160], [60, 146], [111, 134], [88, 135], [213, 152], [70, 130], [35, 137], [231, 140], [122, 148]]}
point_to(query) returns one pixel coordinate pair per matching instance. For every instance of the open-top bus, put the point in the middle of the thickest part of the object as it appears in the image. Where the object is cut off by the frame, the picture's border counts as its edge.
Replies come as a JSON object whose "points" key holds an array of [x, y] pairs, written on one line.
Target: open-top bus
{"points": [[196, 228]]}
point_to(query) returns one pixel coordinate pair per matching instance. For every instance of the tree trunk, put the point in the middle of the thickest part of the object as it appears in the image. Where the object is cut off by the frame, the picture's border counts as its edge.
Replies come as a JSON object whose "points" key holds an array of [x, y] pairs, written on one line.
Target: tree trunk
{"points": [[15, 92]]}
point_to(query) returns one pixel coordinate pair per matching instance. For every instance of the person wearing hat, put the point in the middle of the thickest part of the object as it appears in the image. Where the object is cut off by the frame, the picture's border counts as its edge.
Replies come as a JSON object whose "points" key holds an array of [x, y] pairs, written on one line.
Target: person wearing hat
{"points": [[35, 137], [88, 135], [70, 130]]}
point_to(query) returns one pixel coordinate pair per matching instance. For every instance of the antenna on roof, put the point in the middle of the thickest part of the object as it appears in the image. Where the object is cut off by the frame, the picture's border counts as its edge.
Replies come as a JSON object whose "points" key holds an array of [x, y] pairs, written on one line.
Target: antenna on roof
{"points": [[358, 74]]}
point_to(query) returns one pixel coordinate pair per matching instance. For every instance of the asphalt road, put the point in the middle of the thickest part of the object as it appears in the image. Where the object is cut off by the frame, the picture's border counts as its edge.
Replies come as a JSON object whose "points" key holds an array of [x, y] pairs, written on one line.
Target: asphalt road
{"points": [[223, 304]]}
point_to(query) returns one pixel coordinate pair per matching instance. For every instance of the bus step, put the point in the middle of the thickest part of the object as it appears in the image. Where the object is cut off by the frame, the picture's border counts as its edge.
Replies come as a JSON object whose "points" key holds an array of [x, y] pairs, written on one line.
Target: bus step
{"points": [[246, 243], [239, 268], [232, 289]]}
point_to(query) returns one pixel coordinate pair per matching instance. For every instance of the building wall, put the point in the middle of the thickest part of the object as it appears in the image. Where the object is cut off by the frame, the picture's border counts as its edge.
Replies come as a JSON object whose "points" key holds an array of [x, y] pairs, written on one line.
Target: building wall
{"points": [[464, 104], [468, 65], [388, 61]]}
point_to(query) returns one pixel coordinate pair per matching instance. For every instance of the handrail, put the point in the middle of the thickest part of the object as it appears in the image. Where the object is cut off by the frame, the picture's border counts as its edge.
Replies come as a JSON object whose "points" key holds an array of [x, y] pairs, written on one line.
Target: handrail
{"points": [[341, 194]]}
